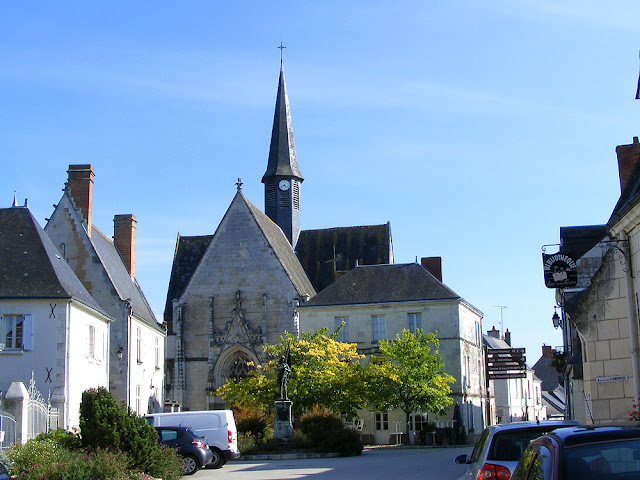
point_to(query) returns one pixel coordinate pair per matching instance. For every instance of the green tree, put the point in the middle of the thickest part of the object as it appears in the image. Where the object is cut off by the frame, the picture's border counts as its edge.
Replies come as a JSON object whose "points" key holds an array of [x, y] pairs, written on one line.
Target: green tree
{"points": [[325, 372], [408, 375]]}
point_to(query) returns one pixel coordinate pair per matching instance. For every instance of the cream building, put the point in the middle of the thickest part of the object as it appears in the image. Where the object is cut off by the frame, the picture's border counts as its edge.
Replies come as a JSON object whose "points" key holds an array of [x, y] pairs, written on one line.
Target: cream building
{"points": [[379, 301]]}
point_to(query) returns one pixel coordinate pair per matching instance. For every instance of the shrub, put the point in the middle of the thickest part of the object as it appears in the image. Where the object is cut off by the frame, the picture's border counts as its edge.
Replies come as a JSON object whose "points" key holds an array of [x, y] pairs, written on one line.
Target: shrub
{"points": [[165, 463], [255, 426], [247, 443], [44, 458], [327, 433], [67, 440], [104, 423]]}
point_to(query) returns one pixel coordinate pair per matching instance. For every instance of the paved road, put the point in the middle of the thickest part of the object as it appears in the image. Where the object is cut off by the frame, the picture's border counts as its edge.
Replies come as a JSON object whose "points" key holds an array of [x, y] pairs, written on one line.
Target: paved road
{"points": [[373, 464]]}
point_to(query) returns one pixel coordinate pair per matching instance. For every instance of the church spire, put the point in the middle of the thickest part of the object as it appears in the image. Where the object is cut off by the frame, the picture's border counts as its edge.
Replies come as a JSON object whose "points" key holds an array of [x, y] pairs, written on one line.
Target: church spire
{"points": [[282, 152], [282, 179]]}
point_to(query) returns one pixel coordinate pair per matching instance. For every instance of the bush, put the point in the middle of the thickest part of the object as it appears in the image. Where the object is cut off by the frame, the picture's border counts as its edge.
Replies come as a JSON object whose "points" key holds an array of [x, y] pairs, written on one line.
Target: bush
{"points": [[67, 440], [327, 433], [255, 426], [104, 423], [165, 463], [44, 458]]}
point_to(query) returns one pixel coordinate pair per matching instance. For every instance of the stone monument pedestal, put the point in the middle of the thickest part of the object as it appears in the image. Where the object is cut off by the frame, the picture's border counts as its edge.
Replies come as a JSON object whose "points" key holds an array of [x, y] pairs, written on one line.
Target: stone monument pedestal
{"points": [[283, 428]]}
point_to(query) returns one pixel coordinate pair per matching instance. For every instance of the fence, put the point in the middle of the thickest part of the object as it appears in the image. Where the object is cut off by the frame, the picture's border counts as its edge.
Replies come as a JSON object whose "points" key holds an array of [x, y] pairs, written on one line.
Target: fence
{"points": [[25, 414]]}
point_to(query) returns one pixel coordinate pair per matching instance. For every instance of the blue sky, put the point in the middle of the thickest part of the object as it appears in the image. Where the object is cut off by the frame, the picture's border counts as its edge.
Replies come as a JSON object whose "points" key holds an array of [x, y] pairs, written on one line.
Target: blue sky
{"points": [[476, 128]]}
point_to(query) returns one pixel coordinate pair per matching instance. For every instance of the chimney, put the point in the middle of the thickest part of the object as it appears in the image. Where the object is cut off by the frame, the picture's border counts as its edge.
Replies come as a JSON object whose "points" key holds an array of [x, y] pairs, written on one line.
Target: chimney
{"points": [[493, 332], [80, 188], [547, 352], [628, 156], [507, 337], [433, 265], [124, 238]]}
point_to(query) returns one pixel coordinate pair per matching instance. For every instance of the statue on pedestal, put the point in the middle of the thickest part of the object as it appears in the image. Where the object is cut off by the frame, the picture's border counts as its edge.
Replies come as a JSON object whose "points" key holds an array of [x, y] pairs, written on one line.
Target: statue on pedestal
{"points": [[283, 428]]}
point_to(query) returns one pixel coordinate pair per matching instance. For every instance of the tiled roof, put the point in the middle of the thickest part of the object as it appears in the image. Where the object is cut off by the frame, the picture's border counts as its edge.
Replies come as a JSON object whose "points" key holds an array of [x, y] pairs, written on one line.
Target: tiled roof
{"points": [[30, 265], [383, 284], [324, 253]]}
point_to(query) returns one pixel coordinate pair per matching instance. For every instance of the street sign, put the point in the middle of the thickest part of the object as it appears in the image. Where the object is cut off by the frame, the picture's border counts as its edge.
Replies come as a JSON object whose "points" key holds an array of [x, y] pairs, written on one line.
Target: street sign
{"points": [[509, 351], [506, 376]]}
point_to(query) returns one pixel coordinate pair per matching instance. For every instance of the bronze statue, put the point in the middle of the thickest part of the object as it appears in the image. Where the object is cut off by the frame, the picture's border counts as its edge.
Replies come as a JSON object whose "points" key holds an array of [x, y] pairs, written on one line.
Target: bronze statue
{"points": [[284, 372]]}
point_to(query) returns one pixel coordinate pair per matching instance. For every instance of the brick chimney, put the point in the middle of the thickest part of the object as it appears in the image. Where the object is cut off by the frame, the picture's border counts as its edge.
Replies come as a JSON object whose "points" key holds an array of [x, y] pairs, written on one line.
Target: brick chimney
{"points": [[628, 156], [433, 265], [124, 238], [80, 188], [507, 337]]}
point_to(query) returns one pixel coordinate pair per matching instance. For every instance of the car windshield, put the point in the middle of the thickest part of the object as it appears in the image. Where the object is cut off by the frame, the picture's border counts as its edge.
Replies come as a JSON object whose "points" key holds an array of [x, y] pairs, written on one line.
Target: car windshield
{"points": [[615, 460], [508, 446]]}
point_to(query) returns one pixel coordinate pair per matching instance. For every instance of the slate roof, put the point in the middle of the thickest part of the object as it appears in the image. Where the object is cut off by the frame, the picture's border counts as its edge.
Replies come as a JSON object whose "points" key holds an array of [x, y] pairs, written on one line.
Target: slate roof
{"points": [[282, 150], [383, 284], [30, 265], [579, 240], [629, 197], [186, 257], [126, 287], [324, 253], [190, 250]]}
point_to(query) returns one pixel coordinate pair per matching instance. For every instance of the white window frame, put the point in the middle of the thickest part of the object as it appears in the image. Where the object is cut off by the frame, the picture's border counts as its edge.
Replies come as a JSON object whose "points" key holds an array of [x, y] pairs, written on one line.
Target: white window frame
{"points": [[377, 328], [382, 421], [138, 399], [343, 335], [139, 344], [414, 321], [91, 342], [26, 338], [157, 352]]}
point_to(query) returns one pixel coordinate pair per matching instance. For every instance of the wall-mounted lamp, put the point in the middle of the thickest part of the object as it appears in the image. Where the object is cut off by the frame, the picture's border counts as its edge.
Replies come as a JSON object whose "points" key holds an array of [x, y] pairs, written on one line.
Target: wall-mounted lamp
{"points": [[119, 352], [557, 321]]}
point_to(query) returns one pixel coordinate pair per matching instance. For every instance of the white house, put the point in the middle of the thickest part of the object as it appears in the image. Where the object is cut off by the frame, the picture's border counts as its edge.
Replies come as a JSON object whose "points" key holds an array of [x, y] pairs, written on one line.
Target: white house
{"points": [[51, 328], [515, 399], [379, 301], [107, 269]]}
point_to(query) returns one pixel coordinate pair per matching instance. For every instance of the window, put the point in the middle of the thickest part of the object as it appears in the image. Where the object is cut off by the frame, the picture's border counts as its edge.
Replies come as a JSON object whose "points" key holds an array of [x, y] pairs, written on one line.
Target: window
{"points": [[16, 332], [91, 342], [418, 421], [138, 399], [95, 343], [157, 353], [343, 334], [414, 321], [139, 344], [377, 326], [382, 421]]}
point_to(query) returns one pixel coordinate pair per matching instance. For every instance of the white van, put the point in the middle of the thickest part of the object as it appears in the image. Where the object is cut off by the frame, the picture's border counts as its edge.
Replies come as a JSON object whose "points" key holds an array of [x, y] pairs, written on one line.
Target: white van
{"points": [[217, 426]]}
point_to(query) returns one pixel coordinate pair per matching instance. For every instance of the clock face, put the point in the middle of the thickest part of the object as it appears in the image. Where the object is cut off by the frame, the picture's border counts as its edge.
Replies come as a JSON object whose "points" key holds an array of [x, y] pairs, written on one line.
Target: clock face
{"points": [[284, 184]]}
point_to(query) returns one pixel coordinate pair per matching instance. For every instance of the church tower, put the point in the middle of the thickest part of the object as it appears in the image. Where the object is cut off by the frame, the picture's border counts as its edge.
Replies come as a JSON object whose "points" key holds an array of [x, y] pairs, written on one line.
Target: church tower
{"points": [[282, 179]]}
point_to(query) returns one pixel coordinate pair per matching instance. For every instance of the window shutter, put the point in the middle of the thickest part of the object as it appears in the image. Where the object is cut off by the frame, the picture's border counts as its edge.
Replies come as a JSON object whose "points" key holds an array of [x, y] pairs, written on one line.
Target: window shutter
{"points": [[27, 333], [99, 345]]}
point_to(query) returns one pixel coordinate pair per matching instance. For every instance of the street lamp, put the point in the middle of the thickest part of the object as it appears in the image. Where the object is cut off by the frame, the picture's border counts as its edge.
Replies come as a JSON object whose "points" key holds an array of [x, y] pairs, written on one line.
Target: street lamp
{"points": [[119, 352], [557, 321]]}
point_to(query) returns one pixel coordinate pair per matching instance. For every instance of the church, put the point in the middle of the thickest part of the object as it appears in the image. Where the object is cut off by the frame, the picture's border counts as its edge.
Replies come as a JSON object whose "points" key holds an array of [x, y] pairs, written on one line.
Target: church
{"points": [[237, 290]]}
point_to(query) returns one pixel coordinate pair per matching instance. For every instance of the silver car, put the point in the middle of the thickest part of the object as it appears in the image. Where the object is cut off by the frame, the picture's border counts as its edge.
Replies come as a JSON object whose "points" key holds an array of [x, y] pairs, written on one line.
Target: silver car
{"points": [[499, 448]]}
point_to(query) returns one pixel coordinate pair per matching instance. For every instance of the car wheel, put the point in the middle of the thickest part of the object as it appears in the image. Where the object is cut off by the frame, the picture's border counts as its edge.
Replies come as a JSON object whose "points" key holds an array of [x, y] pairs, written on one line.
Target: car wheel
{"points": [[218, 459], [190, 465]]}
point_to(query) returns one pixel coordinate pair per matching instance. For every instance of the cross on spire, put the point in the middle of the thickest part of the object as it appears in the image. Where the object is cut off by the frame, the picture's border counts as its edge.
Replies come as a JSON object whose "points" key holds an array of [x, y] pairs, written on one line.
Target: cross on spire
{"points": [[239, 183], [281, 47]]}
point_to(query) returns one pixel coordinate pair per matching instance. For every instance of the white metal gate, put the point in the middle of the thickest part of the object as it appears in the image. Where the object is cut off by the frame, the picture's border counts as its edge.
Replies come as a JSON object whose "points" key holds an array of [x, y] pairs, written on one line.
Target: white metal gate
{"points": [[39, 412]]}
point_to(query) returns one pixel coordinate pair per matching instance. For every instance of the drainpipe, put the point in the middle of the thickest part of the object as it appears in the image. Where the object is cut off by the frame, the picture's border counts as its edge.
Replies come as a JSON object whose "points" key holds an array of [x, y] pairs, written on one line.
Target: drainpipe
{"points": [[631, 313]]}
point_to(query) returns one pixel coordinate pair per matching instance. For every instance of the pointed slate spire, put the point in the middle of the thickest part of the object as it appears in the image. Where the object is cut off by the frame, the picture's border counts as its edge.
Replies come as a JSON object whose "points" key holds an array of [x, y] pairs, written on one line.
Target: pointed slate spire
{"points": [[282, 151]]}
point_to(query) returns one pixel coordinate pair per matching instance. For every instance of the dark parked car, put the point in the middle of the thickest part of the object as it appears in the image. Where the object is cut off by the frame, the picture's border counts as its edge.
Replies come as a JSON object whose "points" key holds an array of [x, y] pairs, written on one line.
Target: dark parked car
{"points": [[192, 447], [4, 475], [583, 453], [499, 448]]}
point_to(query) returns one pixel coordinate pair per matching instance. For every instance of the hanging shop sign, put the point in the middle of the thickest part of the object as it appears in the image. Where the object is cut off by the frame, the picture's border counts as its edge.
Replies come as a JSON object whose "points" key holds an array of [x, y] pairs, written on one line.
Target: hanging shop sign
{"points": [[506, 363], [560, 270]]}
